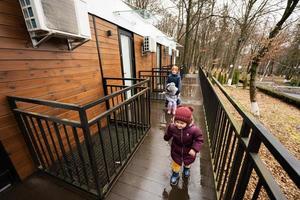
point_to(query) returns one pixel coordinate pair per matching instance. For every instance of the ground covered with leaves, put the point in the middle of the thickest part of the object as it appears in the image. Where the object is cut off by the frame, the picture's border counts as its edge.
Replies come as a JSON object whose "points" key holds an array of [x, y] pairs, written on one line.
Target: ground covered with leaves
{"points": [[283, 121], [280, 118]]}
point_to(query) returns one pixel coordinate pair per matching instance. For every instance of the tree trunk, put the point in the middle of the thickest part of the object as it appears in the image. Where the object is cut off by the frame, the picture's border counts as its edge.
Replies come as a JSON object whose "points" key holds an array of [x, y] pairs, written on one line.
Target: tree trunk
{"points": [[235, 55], [291, 4], [253, 71], [245, 81], [187, 34], [266, 69], [192, 60]]}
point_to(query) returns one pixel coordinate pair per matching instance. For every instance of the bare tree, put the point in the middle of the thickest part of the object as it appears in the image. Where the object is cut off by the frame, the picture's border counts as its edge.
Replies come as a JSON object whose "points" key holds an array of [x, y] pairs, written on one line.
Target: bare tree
{"points": [[250, 13], [150, 5], [291, 5], [194, 15]]}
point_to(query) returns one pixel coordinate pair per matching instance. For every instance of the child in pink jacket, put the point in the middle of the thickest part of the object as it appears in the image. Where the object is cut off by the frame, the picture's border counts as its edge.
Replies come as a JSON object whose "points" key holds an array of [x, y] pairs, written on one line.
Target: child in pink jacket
{"points": [[186, 143]]}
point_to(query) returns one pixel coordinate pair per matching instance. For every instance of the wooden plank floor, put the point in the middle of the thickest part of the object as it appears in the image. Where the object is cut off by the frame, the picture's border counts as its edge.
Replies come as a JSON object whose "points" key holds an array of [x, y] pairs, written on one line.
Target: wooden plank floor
{"points": [[147, 175], [40, 186]]}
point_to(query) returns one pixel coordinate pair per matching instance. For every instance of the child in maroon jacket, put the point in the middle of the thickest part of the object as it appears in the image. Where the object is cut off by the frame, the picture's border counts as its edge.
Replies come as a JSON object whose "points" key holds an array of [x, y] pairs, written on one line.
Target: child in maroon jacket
{"points": [[186, 143]]}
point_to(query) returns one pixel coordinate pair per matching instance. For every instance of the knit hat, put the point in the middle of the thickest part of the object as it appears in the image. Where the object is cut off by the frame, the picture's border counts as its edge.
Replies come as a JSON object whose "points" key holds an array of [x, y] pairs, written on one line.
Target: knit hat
{"points": [[184, 113], [171, 88]]}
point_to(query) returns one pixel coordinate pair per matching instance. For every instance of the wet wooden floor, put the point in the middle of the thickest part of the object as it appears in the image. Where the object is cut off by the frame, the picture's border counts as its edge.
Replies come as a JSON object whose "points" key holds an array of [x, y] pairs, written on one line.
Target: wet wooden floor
{"points": [[147, 175]]}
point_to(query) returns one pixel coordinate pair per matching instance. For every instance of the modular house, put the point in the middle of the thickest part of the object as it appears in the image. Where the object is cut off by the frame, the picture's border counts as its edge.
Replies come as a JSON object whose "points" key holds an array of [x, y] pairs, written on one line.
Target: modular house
{"points": [[67, 67]]}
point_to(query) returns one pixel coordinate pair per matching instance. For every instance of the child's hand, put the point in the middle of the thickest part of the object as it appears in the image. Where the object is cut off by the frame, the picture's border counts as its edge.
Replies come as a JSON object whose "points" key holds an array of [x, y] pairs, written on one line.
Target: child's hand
{"points": [[192, 152]]}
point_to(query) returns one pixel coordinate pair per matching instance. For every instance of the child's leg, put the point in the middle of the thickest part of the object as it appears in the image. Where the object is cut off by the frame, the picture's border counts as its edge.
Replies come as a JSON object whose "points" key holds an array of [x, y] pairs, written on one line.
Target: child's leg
{"points": [[186, 170], [175, 173], [169, 107], [175, 167], [174, 107]]}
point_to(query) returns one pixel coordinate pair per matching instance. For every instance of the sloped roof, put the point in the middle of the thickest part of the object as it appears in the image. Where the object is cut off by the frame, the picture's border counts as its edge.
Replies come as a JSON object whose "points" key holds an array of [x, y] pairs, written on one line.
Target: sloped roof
{"points": [[118, 12]]}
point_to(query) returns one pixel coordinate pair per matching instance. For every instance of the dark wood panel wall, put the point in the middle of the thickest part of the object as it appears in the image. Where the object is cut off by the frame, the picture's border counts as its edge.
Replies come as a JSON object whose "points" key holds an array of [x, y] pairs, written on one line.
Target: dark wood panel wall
{"points": [[54, 73]]}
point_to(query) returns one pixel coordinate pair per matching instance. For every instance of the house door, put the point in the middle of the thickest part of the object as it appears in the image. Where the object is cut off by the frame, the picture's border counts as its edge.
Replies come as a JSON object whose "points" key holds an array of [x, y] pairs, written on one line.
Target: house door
{"points": [[127, 56], [158, 85], [8, 174], [158, 56]]}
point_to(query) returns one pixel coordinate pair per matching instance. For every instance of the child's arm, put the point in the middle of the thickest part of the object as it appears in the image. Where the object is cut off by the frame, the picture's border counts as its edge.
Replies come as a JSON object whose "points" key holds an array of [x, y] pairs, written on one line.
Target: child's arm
{"points": [[198, 140], [179, 86], [168, 134]]}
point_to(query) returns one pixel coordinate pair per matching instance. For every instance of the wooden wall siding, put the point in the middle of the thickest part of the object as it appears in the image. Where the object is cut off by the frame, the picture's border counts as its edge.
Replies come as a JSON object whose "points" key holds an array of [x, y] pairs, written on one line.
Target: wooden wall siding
{"points": [[109, 48], [146, 62], [48, 72], [52, 72]]}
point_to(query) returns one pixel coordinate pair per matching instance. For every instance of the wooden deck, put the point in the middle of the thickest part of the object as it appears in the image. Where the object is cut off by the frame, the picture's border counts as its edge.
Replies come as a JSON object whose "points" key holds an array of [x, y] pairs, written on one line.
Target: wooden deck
{"points": [[147, 175]]}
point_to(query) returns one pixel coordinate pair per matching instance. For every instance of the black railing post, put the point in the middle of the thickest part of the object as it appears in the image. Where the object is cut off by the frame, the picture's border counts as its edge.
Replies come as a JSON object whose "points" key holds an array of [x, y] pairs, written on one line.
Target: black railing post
{"points": [[81, 157], [103, 150], [236, 163], [90, 149], [13, 105], [245, 173], [105, 92]]}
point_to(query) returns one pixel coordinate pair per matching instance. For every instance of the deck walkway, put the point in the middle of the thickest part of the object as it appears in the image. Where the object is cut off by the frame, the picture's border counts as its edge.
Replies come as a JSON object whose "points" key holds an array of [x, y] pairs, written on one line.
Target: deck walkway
{"points": [[147, 175]]}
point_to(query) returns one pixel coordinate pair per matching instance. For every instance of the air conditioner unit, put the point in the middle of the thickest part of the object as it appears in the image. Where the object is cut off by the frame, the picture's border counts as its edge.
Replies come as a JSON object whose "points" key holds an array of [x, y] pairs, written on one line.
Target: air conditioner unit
{"points": [[149, 45], [66, 19]]}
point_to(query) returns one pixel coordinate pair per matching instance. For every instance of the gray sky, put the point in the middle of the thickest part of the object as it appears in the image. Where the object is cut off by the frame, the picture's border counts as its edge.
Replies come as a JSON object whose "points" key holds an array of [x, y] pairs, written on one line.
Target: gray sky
{"points": [[237, 7]]}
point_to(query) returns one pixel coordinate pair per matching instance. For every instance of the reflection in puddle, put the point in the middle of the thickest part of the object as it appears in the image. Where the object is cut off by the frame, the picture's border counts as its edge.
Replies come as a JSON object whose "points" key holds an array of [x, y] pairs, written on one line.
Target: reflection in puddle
{"points": [[177, 192]]}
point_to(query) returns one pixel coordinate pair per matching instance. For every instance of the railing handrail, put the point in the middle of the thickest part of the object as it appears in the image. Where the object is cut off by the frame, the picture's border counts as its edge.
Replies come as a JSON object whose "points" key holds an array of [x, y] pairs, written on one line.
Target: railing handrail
{"points": [[105, 98], [70, 106], [281, 154], [50, 118], [49, 103], [154, 75], [107, 112], [123, 86], [151, 71], [130, 79], [157, 78]]}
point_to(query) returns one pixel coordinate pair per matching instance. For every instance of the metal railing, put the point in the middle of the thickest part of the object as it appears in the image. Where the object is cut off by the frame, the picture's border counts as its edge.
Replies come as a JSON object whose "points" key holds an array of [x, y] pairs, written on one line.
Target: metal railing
{"points": [[158, 78], [235, 150], [86, 145]]}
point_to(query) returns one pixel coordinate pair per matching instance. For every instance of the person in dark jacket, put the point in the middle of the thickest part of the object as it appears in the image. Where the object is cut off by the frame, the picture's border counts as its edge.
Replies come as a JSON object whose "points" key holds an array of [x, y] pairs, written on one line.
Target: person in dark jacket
{"points": [[186, 143], [175, 78]]}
